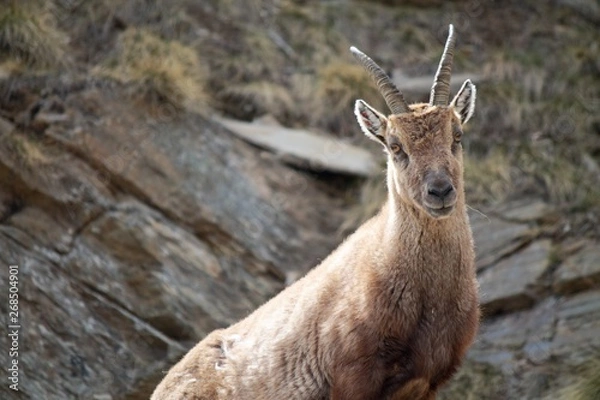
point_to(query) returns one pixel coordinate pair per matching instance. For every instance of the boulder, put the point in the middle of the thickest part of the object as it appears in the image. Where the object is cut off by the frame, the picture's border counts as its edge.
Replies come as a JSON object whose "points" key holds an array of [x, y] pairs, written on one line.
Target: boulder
{"points": [[305, 149], [579, 271], [496, 238], [511, 283]]}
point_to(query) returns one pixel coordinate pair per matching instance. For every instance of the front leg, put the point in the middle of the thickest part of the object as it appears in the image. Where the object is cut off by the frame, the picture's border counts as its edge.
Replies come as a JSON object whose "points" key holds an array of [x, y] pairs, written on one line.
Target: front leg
{"points": [[358, 380], [415, 389]]}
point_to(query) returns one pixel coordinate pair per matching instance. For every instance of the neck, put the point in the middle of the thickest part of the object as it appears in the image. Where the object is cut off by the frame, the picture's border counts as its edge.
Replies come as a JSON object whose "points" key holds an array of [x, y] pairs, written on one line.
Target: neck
{"points": [[443, 246]]}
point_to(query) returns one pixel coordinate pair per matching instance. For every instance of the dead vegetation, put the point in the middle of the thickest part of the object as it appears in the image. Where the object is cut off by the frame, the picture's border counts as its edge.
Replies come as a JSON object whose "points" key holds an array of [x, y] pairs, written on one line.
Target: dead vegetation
{"points": [[587, 386], [475, 381], [540, 115], [157, 70], [29, 35], [536, 130]]}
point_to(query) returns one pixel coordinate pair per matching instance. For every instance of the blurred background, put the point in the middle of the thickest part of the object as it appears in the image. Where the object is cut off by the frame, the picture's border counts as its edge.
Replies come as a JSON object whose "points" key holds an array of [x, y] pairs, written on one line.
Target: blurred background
{"points": [[168, 166]]}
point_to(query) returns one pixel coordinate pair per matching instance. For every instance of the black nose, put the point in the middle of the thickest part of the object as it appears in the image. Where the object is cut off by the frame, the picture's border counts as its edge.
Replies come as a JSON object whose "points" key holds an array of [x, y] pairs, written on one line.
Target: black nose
{"points": [[440, 189]]}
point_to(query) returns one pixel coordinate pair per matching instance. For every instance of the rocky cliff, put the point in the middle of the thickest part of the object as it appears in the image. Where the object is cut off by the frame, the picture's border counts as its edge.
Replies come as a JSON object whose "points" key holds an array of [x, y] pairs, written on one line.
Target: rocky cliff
{"points": [[541, 302], [135, 235], [133, 222]]}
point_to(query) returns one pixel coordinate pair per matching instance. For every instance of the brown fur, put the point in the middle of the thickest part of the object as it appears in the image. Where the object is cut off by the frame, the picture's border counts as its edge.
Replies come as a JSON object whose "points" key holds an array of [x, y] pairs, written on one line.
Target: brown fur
{"points": [[388, 315]]}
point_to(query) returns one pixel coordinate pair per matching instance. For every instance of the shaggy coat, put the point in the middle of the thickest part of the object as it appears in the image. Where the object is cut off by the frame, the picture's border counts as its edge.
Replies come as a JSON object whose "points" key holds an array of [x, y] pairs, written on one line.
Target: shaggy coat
{"points": [[388, 315], [392, 311]]}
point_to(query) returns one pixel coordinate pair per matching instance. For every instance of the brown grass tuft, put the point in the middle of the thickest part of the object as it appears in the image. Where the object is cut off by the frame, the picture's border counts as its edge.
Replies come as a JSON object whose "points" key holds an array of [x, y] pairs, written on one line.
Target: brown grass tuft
{"points": [[28, 34], [586, 388], [338, 85], [26, 150], [475, 381], [157, 70], [246, 79], [488, 179]]}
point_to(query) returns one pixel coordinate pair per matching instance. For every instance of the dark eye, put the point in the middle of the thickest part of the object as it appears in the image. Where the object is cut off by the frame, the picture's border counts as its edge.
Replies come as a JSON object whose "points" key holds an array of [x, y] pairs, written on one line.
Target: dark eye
{"points": [[398, 152], [395, 148], [457, 133]]}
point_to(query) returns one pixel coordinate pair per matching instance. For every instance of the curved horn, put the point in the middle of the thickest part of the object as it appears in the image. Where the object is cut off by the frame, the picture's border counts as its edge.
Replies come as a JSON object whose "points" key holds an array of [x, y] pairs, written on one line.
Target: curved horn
{"points": [[440, 91], [393, 97]]}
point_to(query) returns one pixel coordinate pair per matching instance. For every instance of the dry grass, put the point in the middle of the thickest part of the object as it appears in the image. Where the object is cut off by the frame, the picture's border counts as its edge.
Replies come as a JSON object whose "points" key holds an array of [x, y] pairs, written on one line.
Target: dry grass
{"points": [[535, 130], [26, 150], [28, 34], [247, 80], [489, 179], [157, 70], [536, 113], [338, 84], [587, 386], [475, 381], [502, 174]]}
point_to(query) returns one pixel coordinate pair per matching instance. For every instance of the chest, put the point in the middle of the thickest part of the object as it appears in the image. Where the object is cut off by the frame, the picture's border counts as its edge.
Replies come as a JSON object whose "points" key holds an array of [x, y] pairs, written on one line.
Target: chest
{"points": [[430, 350]]}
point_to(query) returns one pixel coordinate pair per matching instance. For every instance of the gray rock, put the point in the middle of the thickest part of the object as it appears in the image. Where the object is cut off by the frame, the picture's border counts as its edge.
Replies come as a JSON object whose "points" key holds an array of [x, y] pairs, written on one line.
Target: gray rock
{"points": [[87, 340], [519, 330], [495, 238], [306, 149], [532, 354], [526, 210], [511, 284], [579, 271], [577, 337]]}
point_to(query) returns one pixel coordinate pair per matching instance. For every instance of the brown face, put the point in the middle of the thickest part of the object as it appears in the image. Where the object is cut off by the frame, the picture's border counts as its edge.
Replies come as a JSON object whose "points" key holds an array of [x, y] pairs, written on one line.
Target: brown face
{"points": [[426, 158], [422, 140], [423, 145]]}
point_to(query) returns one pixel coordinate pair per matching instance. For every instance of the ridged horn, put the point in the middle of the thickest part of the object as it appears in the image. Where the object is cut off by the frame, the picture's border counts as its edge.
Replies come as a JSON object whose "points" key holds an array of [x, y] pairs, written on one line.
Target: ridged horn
{"points": [[393, 97], [440, 91]]}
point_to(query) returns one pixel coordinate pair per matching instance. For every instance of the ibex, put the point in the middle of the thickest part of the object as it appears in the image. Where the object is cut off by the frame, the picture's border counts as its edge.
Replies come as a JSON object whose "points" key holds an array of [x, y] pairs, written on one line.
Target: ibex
{"points": [[391, 312]]}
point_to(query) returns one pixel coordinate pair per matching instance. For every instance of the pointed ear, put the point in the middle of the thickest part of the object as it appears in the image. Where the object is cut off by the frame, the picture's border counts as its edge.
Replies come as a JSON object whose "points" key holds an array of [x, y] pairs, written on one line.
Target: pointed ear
{"points": [[464, 102], [371, 121]]}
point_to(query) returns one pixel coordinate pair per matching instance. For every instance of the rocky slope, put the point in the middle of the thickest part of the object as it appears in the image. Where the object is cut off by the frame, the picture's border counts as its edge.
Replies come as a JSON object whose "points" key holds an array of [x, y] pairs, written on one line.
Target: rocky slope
{"points": [[139, 222], [541, 303], [135, 235]]}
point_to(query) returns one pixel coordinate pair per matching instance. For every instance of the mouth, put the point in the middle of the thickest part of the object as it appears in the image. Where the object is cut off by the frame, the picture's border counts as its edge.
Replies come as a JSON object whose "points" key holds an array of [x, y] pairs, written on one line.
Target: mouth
{"points": [[440, 212]]}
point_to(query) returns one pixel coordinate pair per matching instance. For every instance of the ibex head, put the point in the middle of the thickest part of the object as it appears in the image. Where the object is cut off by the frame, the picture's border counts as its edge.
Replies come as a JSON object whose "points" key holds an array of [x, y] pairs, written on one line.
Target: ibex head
{"points": [[423, 141]]}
